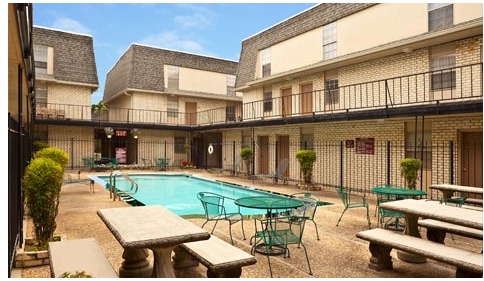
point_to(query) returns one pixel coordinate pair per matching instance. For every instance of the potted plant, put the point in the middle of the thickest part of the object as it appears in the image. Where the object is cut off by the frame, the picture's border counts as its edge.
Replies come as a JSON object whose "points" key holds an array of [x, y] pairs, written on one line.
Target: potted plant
{"points": [[135, 133], [409, 168], [109, 132], [42, 182], [246, 155], [306, 159]]}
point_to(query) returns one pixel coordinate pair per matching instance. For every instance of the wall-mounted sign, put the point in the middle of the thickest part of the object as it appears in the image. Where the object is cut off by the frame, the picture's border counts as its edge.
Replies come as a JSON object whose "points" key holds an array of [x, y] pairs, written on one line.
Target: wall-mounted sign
{"points": [[365, 145], [121, 133], [350, 143]]}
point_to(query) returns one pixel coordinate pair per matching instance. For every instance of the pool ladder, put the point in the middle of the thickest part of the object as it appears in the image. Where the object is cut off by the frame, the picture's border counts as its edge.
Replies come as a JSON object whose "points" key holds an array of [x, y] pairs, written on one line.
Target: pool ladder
{"points": [[122, 195]]}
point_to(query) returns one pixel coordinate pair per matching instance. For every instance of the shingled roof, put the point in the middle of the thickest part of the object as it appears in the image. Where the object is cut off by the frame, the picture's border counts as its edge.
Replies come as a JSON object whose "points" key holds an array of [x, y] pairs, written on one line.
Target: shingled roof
{"points": [[74, 59], [141, 68]]}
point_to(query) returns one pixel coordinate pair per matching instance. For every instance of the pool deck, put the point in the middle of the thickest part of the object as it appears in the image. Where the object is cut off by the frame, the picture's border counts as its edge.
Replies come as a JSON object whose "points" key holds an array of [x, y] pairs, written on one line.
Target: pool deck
{"points": [[339, 253]]}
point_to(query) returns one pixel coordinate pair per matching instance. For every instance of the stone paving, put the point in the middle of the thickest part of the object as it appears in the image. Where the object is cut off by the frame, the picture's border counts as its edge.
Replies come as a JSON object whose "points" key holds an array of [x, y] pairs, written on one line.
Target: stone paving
{"points": [[338, 254]]}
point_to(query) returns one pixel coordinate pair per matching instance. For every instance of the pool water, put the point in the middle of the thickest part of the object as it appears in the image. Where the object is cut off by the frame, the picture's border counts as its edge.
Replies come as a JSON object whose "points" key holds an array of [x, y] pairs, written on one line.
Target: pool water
{"points": [[178, 192]]}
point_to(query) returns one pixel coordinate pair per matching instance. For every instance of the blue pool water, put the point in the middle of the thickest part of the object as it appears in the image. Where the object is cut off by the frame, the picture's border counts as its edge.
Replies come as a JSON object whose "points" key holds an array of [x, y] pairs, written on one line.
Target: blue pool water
{"points": [[178, 193]]}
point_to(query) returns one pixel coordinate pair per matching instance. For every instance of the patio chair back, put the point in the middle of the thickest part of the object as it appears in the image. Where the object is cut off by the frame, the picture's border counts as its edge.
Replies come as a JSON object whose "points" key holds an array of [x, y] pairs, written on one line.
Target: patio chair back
{"points": [[215, 210], [308, 209], [281, 232], [353, 199]]}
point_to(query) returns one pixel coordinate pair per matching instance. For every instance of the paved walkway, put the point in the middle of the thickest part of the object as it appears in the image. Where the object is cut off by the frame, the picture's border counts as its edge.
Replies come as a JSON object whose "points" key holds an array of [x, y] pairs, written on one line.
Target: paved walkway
{"points": [[338, 254]]}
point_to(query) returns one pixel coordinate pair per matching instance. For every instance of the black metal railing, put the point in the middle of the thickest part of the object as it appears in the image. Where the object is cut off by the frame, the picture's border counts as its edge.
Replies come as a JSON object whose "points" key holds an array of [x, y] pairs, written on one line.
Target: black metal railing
{"points": [[463, 84]]}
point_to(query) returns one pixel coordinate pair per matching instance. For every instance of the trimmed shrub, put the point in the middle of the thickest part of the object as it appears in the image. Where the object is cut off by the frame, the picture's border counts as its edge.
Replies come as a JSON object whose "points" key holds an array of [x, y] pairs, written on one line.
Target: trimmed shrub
{"points": [[409, 168], [306, 159], [54, 153]]}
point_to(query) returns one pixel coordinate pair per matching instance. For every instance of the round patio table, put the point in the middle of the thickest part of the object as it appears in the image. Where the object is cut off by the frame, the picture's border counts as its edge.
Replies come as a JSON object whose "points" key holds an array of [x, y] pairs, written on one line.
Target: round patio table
{"points": [[271, 204], [396, 193]]}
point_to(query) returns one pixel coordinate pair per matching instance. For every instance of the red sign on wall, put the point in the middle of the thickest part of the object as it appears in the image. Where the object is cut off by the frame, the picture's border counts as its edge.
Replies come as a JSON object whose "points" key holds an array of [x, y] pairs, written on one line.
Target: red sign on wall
{"points": [[365, 145]]}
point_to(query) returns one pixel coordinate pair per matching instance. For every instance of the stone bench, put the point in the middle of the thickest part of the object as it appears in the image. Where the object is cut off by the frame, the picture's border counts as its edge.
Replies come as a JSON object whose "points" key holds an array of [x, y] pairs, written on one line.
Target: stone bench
{"points": [[382, 241], [71, 256], [221, 258], [436, 230]]}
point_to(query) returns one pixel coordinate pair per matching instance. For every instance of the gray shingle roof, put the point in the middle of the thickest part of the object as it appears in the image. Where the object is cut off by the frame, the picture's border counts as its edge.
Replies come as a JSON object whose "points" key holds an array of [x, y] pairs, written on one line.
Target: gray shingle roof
{"points": [[141, 67], [74, 59]]}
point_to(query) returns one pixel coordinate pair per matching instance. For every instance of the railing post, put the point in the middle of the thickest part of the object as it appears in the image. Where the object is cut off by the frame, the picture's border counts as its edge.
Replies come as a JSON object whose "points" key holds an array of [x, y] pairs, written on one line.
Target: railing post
{"points": [[341, 164], [388, 163], [233, 157], [451, 159]]}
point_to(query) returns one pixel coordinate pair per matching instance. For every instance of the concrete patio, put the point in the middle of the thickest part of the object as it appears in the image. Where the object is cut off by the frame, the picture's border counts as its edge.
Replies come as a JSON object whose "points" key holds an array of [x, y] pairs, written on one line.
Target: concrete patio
{"points": [[338, 254]]}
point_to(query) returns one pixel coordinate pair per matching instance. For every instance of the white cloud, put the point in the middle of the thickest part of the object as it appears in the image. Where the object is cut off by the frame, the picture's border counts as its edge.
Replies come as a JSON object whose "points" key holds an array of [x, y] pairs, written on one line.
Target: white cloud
{"points": [[192, 21], [171, 40], [71, 25]]}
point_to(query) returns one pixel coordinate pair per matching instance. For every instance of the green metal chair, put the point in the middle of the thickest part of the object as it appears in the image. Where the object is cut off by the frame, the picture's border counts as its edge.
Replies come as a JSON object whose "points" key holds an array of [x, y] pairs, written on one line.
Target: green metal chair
{"points": [[309, 208], [215, 210], [388, 218], [352, 199], [280, 232]]}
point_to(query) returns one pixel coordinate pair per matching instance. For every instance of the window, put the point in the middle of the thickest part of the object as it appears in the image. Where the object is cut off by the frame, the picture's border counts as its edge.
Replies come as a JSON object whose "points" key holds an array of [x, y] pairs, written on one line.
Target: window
{"points": [[40, 55], [331, 92], [40, 96], [267, 100], [172, 107], [441, 16], [180, 145], [307, 141], [266, 62], [230, 85], [442, 64], [329, 41], [173, 77], [230, 113]]}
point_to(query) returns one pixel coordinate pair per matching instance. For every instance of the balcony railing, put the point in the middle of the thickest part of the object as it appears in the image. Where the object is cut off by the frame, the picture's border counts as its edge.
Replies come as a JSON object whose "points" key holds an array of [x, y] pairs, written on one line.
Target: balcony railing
{"points": [[448, 85]]}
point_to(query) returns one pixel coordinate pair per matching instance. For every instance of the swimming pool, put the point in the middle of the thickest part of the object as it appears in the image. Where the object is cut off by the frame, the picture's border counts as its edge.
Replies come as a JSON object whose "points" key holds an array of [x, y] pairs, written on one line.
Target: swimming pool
{"points": [[178, 192]]}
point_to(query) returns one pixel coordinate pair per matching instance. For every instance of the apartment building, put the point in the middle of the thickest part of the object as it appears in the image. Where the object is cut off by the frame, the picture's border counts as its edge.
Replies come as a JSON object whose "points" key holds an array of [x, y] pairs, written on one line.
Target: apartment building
{"points": [[332, 78], [360, 76], [65, 78], [167, 94]]}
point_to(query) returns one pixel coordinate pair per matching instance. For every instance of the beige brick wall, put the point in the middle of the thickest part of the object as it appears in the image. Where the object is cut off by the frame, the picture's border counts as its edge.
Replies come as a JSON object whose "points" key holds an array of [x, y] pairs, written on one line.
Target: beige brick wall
{"points": [[74, 99]]}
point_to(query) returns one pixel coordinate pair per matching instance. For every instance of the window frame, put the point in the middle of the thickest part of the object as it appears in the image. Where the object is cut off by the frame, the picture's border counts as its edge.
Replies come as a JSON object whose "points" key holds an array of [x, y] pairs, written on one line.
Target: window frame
{"points": [[329, 41], [331, 91], [266, 60], [173, 73], [440, 16]]}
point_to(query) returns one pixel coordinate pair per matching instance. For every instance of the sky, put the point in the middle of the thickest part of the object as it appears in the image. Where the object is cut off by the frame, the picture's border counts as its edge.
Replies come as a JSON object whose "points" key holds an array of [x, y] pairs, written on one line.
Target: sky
{"points": [[209, 29]]}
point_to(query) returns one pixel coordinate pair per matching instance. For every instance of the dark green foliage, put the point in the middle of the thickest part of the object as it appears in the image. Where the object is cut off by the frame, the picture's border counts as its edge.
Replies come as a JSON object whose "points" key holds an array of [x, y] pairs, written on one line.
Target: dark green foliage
{"points": [[42, 182], [246, 155], [306, 159], [53, 153], [38, 145], [409, 168]]}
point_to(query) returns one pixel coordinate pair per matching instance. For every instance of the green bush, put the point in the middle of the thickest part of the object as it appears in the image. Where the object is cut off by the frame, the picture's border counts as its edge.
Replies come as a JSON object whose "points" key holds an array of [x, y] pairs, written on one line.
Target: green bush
{"points": [[54, 153], [306, 159], [38, 145], [42, 182], [409, 168], [246, 155]]}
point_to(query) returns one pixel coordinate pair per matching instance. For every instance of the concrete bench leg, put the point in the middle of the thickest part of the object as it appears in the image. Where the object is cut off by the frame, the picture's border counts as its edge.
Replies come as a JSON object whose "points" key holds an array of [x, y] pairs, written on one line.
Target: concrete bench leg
{"points": [[436, 235], [380, 257], [183, 259]]}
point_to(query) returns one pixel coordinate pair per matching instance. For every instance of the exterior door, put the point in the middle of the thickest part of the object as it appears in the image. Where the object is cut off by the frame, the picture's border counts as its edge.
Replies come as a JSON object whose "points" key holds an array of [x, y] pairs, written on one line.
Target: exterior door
{"points": [[264, 155], [306, 99], [471, 170], [286, 105], [283, 152], [191, 113]]}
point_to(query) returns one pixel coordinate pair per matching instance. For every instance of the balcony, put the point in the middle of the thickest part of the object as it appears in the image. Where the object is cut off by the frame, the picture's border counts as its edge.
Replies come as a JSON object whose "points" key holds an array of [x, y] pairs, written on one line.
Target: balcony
{"points": [[450, 91]]}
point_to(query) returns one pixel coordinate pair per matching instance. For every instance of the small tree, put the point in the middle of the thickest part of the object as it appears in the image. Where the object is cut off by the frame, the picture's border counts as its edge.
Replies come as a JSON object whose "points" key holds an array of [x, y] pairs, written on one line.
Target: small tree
{"points": [[409, 168], [42, 183], [306, 159], [246, 155]]}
